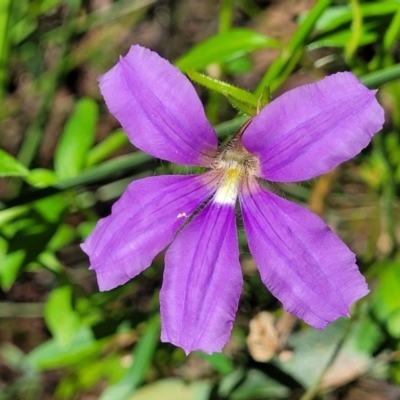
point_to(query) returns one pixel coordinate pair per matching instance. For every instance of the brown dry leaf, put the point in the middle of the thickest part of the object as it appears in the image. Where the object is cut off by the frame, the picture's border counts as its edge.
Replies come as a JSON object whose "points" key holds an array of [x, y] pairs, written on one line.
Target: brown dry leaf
{"points": [[344, 369], [267, 338]]}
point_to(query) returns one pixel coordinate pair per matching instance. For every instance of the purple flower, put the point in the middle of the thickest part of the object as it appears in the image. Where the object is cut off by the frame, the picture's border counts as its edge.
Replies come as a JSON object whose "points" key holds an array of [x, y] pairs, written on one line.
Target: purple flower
{"points": [[302, 134]]}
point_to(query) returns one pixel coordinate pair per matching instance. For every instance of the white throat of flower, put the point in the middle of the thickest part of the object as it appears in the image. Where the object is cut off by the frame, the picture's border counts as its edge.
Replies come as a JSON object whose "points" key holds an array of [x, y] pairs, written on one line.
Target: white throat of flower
{"points": [[235, 164], [228, 189]]}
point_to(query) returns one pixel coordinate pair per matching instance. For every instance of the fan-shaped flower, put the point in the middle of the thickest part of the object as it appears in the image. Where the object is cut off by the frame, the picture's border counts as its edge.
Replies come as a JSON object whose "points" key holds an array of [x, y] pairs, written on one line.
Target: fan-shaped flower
{"points": [[301, 134]]}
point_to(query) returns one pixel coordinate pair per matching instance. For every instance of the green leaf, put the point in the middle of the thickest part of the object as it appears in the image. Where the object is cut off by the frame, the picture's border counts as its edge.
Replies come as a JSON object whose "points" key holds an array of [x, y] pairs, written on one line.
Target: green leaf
{"points": [[105, 148], [51, 208], [382, 76], [219, 361], [62, 237], [392, 33], [142, 357], [356, 31], [386, 304], [287, 60], [77, 138], [9, 166], [389, 286], [10, 263], [225, 88], [239, 65], [46, 5], [61, 319], [231, 381], [335, 16], [41, 177], [5, 17], [341, 39], [224, 46], [51, 355], [257, 385], [393, 324], [12, 213]]}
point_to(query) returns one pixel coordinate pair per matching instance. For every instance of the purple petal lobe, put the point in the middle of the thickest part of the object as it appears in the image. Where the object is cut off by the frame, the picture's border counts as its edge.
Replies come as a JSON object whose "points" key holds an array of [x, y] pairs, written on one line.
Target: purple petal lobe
{"points": [[143, 222], [301, 261], [202, 282], [158, 108], [313, 128]]}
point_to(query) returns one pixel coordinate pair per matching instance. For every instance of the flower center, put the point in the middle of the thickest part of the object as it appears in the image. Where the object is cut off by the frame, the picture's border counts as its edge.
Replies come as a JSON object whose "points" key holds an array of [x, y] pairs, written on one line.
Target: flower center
{"points": [[235, 163]]}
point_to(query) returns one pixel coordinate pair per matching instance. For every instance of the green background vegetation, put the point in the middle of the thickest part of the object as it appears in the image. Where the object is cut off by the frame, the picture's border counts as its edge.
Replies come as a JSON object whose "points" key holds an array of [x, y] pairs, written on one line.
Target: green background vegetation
{"points": [[64, 161]]}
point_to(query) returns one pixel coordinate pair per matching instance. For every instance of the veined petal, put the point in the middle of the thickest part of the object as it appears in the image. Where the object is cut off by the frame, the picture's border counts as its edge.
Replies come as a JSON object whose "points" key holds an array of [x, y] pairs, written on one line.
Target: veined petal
{"points": [[158, 108], [313, 128], [301, 261], [202, 282], [143, 222]]}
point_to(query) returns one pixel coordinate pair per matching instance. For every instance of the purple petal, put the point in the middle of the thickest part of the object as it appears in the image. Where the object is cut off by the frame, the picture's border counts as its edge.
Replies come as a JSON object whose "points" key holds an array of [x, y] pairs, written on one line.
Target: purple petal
{"points": [[313, 128], [202, 282], [143, 222], [301, 261], [158, 108]]}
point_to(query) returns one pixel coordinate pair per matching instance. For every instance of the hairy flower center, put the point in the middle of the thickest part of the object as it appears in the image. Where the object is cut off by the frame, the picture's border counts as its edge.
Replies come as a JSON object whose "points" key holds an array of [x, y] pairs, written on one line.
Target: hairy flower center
{"points": [[234, 163]]}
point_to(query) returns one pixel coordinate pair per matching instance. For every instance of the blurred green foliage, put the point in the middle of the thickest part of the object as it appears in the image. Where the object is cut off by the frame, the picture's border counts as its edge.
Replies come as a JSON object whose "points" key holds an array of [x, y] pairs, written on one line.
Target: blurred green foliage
{"points": [[64, 161]]}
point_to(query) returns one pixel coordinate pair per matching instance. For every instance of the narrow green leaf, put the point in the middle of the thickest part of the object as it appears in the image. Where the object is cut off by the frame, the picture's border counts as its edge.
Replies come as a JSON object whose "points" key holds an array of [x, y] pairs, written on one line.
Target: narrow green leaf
{"points": [[336, 16], [332, 17], [142, 357], [382, 76], [11, 214], [225, 15], [222, 87], [76, 140], [105, 148], [60, 317], [224, 46], [230, 127], [392, 33], [9, 166], [356, 30], [5, 11], [284, 64], [341, 39]]}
